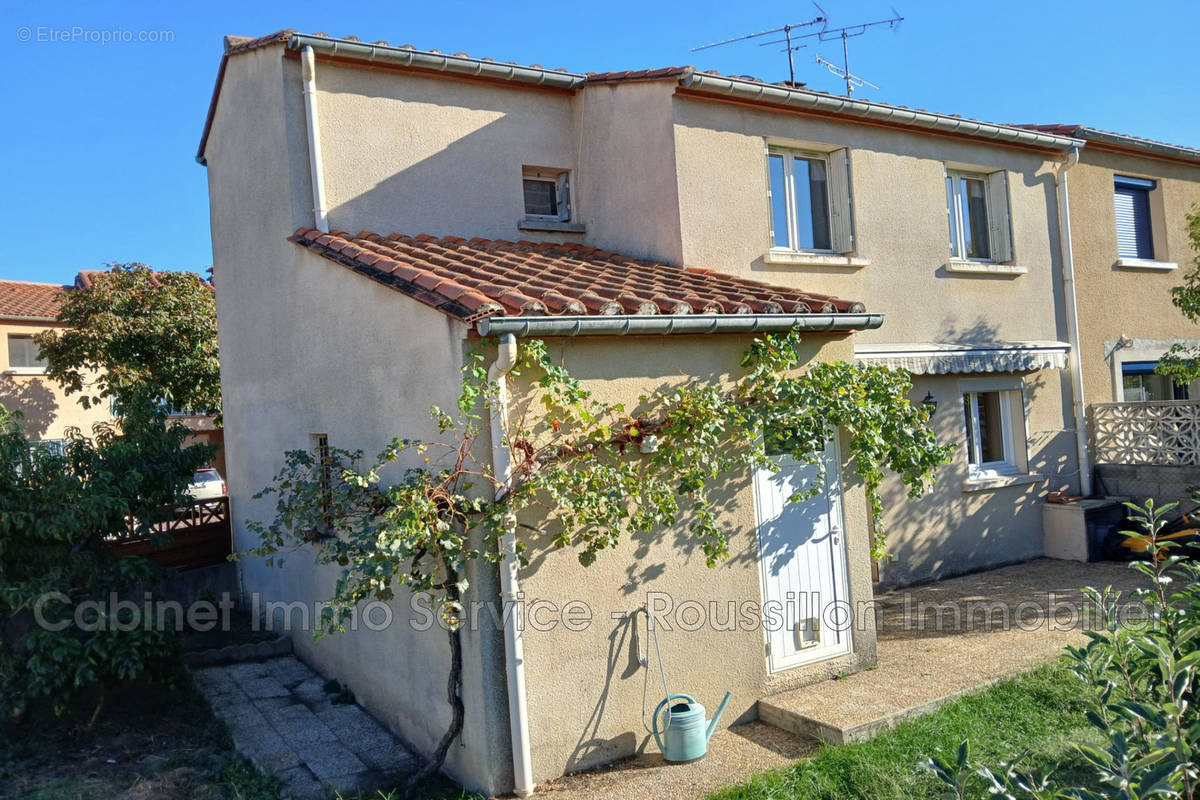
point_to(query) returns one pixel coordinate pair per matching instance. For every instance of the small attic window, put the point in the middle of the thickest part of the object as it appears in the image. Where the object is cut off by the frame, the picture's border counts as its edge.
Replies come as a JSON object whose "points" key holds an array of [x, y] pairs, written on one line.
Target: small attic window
{"points": [[547, 193]]}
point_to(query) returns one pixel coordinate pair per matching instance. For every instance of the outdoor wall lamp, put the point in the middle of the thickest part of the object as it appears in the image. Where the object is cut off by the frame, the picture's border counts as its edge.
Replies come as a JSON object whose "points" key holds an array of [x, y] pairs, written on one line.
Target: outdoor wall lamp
{"points": [[930, 402]]}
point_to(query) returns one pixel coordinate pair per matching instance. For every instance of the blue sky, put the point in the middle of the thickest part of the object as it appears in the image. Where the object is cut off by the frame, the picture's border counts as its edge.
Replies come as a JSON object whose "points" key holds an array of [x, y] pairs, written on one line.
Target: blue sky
{"points": [[99, 139]]}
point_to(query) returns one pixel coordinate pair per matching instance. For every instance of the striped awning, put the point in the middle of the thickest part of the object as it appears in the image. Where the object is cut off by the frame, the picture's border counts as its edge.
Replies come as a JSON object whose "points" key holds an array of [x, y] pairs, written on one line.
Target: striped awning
{"points": [[940, 358]]}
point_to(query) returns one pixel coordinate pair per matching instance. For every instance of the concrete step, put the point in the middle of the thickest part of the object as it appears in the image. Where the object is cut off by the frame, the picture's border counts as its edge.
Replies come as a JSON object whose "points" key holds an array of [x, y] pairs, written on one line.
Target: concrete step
{"points": [[853, 708]]}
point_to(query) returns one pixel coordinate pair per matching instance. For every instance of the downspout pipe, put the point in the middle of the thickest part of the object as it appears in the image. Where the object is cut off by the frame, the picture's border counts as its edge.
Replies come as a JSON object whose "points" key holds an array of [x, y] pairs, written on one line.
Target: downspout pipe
{"points": [[1072, 315], [308, 69], [510, 586]]}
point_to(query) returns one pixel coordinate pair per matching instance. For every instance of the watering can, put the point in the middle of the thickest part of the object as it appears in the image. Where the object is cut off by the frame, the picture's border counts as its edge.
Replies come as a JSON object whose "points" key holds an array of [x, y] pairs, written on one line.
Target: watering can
{"points": [[686, 734]]}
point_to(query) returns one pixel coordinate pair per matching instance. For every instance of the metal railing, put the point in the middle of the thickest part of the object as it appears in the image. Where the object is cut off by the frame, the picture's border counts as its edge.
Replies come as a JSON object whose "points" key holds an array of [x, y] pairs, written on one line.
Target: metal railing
{"points": [[1160, 432]]}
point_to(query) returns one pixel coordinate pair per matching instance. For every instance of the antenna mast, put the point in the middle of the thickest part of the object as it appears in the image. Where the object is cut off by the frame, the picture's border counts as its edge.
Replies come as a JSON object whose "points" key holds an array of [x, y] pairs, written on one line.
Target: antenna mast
{"points": [[846, 33], [786, 30]]}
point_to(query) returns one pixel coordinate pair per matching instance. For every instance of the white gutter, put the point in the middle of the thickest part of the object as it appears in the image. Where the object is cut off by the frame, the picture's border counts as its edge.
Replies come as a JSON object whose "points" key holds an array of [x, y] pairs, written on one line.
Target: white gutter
{"points": [[439, 62], [308, 68], [510, 587], [1075, 364], [632, 324]]}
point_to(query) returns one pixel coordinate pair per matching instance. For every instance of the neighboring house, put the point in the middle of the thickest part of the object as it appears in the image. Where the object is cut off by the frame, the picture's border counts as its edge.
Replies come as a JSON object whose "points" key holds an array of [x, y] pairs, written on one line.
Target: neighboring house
{"points": [[1129, 200], [470, 198], [27, 309]]}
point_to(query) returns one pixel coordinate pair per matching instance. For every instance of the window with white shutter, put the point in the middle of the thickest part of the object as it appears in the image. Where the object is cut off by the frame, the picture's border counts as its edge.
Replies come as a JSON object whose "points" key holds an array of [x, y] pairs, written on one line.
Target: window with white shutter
{"points": [[810, 201], [978, 212], [1131, 202]]}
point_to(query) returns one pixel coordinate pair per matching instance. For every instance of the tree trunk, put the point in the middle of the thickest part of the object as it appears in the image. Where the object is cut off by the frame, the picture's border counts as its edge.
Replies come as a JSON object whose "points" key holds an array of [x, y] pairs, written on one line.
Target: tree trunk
{"points": [[453, 694]]}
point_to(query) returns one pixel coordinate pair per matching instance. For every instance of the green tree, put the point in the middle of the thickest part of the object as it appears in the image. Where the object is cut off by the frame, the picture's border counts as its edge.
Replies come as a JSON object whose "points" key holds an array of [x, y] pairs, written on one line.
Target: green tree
{"points": [[579, 467], [1182, 363], [136, 331], [59, 512]]}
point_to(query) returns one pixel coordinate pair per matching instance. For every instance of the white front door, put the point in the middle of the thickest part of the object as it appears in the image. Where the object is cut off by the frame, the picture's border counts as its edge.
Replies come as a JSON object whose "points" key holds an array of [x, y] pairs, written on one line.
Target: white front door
{"points": [[802, 559]]}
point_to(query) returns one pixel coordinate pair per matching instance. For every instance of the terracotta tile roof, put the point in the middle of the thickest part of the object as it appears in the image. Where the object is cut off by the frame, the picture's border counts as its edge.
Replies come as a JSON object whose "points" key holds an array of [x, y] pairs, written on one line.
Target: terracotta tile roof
{"points": [[638, 74], [483, 277], [34, 300]]}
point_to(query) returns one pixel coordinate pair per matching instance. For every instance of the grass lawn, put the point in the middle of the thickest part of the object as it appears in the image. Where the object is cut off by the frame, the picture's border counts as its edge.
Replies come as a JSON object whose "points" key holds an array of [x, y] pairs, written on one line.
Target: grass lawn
{"points": [[151, 742], [1039, 712]]}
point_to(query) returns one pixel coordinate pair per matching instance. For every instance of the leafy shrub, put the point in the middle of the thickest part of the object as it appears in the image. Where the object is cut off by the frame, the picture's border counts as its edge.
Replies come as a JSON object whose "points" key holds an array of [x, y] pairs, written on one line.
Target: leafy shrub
{"points": [[57, 511], [1139, 683]]}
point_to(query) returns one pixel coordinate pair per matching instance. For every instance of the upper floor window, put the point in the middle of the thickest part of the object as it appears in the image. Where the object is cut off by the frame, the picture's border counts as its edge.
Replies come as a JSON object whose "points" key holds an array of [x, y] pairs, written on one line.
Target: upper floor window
{"points": [[810, 200], [23, 354], [547, 193], [1131, 201], [977, 209]]}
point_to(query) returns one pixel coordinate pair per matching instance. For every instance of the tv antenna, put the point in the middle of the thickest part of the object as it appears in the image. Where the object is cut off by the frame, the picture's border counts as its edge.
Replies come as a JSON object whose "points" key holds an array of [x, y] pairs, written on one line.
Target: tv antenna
{"points": [[850, 78], [846, 33], [786, 30]]}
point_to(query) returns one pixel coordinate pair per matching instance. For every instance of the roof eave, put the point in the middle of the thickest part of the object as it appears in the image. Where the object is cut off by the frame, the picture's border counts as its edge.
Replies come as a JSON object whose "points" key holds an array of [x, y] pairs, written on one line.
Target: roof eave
{"points": [[806, 99], [1147, 146]]}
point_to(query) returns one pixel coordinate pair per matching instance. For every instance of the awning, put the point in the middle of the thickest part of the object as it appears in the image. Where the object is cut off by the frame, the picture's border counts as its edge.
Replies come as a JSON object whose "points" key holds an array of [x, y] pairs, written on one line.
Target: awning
{"points": [[940, 358]]}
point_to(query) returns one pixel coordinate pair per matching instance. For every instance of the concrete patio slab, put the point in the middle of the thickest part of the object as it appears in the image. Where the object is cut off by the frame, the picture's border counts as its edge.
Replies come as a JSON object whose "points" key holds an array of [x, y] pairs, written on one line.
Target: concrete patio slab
{"points": [[942, 640]]}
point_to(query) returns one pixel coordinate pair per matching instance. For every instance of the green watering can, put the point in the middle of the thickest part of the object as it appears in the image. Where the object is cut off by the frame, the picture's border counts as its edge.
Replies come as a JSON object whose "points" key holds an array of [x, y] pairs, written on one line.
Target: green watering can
{"points": [[687, 732]]}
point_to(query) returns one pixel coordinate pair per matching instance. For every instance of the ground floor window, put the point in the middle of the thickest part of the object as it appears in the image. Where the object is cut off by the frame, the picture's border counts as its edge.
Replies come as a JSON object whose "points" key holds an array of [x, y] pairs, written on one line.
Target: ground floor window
{"points": [[994, 424], [1139, 383]]}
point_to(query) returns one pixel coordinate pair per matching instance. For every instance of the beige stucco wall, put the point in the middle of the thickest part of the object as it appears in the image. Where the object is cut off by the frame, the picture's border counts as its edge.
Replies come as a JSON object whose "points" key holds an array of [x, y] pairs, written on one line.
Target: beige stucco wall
{"points": [[309, 347], [48, 411], [1134, 302], [899, 197], [585, 687], [899, 201]]}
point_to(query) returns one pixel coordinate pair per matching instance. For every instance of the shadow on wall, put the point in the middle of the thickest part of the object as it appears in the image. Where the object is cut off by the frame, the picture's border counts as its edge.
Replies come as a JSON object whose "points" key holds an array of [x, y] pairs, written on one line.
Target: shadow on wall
{"points": [[35, 402], [951, 530]]}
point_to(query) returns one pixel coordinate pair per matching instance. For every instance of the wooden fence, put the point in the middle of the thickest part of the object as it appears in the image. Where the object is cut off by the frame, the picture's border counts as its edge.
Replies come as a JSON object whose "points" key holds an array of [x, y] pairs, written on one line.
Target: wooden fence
{"points": [[196, 535]]}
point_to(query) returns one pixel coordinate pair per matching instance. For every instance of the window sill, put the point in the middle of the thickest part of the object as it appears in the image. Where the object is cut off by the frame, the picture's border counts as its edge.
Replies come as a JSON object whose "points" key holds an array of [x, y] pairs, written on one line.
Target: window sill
{"points": [[25, 371], [1146, 263], [984, 268], [802, 258], [999, 482], [550, 225]]}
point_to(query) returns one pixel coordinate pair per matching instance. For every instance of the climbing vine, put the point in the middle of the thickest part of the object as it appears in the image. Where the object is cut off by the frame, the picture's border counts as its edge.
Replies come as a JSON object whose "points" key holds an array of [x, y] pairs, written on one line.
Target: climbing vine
{"points": [[597, 472]]}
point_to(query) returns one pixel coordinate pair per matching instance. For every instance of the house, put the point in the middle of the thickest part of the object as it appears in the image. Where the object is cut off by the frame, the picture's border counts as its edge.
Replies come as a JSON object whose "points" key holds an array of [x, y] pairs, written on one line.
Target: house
{"points": [[27, 309], [376, 210], [1129, 199]]}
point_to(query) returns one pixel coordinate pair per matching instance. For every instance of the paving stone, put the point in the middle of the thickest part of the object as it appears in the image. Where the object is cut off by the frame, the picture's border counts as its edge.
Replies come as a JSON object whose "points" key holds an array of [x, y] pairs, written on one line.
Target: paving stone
{"points": [[212, 679], [300, 784], [241, 716], [249, 671], [330, 760], [311, 691], [351, 722], [290, 671], [271, 703], [230, 696], [299, 727], [389, 758], [259, 688], [269, 752]]}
